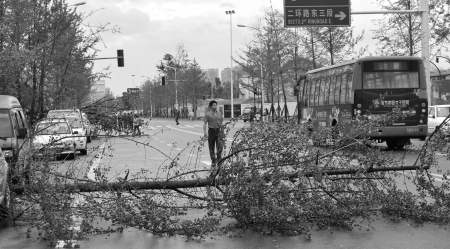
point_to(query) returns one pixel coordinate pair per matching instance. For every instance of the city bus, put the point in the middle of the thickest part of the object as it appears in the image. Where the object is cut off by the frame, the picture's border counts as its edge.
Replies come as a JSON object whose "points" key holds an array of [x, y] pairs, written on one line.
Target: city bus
{"points": [[370, 88]]}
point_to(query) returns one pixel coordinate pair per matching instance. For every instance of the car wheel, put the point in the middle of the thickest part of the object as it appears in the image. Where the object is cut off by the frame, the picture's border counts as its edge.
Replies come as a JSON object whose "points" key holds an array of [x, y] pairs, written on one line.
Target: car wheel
{"points": [[4, 205], [391, 144], [73, 155], [83, 152]]}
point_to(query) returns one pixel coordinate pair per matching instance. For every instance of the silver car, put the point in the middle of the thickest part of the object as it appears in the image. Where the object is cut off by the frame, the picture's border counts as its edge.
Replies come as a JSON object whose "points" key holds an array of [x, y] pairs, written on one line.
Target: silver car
{"points": [[53, 138]]}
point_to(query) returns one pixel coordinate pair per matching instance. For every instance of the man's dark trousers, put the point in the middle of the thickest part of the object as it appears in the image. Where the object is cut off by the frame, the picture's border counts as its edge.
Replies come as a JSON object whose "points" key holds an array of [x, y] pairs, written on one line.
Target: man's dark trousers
{"points": [[213, 141]]}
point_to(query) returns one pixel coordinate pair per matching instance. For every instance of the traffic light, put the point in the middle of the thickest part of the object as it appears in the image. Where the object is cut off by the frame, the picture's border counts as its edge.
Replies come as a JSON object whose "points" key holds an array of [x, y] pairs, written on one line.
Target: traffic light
{"points": [[163, 81], [437, 59], [120, 62]]}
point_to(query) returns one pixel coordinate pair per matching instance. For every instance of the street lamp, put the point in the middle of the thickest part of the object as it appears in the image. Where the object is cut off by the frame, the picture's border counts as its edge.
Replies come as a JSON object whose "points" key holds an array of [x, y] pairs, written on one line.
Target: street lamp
{"points": [[261, 58], [176, 86], [133, 79], [231, 12]]}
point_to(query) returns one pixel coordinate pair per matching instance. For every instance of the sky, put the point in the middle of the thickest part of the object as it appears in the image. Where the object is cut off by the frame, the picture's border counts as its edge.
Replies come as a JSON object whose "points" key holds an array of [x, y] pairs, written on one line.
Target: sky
{"points": [[151, 28]]}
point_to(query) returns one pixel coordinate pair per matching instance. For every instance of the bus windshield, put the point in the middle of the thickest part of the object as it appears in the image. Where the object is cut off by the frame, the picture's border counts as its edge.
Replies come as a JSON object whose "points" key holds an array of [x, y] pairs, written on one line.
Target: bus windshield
{"points": [[390, 75], [5, 124]]}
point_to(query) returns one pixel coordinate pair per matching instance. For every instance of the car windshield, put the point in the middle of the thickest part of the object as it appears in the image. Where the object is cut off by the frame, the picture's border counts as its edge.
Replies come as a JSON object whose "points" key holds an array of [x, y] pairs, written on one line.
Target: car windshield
{"points": [[75, 122], [52, 128], [60, 114], [5, 124], [443, 111]]}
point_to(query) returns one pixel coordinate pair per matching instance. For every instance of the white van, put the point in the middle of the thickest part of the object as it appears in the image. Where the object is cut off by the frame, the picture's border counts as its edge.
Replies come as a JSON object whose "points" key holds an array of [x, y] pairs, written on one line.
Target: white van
{"points": [[436, 115], [13, 127]]}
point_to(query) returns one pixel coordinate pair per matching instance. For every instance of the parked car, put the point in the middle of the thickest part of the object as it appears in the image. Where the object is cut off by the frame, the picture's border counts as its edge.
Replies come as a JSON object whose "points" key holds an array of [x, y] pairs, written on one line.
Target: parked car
{"points": [[76, 121], [13, 127], [4, 190], [79, 126], [436, 115], [53, 138]]}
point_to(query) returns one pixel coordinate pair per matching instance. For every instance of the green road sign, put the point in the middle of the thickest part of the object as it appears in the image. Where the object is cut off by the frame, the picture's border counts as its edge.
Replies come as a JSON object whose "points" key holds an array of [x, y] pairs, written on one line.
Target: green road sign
{"points": [[313, 13]]}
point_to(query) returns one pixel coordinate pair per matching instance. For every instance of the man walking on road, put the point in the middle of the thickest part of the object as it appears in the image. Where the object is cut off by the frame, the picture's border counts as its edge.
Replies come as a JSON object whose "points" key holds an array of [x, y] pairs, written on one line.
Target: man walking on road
{"points": [[177, 116], [213, 120]]}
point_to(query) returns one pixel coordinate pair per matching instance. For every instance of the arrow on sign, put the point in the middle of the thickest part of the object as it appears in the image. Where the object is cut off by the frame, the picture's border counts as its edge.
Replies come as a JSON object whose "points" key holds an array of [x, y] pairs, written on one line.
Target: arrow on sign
{"points": [[342, 15]]}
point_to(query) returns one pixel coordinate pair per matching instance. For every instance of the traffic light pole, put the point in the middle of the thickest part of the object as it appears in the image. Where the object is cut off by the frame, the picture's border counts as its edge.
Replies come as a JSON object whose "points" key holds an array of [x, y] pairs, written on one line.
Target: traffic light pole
{"points": [[120, 58], [176, 87]]}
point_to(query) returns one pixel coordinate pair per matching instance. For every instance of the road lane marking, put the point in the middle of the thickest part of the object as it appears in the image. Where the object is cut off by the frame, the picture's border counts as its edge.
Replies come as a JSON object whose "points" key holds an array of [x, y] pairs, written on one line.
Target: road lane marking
{"points": [[207, 163], [169, 144], [191, 132], [189, 126], [179, 149], [159, 126], [96, 162]]}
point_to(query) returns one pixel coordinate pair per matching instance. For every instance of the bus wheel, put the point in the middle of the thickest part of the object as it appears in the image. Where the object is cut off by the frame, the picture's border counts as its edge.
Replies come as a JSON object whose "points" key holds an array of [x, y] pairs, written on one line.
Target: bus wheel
{"points": [[391, 144]]}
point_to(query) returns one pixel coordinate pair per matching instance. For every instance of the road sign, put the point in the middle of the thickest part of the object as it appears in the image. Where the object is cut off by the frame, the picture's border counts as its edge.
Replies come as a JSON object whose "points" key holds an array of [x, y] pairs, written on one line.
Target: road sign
{"points": [[313, 13], [133, 92]]}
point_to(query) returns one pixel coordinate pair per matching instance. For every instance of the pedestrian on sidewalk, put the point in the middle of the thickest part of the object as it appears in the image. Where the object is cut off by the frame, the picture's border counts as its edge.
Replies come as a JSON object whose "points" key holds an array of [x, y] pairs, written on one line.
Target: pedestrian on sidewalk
{"points": [[136, 124], [213, 121], [177, 116]]}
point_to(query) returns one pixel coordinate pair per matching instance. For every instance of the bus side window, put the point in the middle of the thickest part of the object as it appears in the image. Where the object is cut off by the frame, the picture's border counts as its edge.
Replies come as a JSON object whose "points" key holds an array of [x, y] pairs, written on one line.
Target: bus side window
{"points": [[305, 93], [313, 92], [326, 92], [332, 89], [350, 88], [319, 91], [343, 88], [337, 91]]}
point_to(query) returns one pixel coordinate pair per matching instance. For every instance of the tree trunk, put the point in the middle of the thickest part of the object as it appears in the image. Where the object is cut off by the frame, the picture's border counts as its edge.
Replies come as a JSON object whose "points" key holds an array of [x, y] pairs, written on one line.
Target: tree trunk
{"points": [[331, 45], [312, 49]]}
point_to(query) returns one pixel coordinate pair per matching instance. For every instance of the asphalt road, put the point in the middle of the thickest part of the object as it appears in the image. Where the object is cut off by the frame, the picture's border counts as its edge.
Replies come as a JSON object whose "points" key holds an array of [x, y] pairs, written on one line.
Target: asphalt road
{"points": [[165, 141]]}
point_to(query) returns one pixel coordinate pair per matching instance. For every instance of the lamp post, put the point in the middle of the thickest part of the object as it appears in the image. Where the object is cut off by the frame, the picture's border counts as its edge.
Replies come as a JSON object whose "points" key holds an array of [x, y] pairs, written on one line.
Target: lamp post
{"points": [[176, 86], [133, 79], [231, 12], [261, 58]]}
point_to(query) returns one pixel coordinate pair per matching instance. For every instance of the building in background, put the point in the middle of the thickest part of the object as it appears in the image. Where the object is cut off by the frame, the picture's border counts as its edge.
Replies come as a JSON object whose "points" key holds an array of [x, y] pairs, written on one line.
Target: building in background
{"points": [[225, 75], [211, 74], [440, 85], [98, 90]]}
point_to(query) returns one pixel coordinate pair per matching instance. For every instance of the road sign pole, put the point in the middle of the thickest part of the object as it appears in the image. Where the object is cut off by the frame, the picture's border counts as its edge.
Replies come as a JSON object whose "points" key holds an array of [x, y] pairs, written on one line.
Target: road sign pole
{"points": [[426, 45]]}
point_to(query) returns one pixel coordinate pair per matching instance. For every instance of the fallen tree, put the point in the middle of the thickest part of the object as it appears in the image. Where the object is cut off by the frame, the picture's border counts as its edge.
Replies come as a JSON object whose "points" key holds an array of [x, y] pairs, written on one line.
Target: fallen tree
{"points": [[273, 180]]}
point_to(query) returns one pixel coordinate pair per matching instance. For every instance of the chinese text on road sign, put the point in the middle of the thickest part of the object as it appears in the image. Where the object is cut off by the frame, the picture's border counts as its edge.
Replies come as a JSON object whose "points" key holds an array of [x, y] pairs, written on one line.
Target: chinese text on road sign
{"points": [[304, 13]]}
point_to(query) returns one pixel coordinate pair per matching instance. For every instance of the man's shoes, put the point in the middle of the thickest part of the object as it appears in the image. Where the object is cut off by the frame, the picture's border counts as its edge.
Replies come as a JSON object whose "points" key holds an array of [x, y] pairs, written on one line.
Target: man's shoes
{"points": [[178, 123]]}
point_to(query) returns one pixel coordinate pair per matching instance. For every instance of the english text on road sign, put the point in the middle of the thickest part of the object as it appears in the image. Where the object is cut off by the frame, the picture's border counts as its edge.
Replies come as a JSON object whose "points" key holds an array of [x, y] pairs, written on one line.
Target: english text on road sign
{"points": [[310, 13]]}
